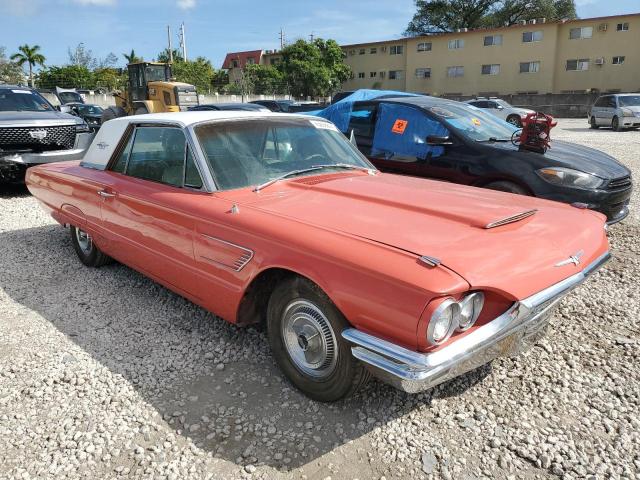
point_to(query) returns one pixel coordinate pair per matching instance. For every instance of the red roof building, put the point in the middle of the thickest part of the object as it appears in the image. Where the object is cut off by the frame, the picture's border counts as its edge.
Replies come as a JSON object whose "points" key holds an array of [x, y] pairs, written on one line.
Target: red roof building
{"points": [[241, 59]]}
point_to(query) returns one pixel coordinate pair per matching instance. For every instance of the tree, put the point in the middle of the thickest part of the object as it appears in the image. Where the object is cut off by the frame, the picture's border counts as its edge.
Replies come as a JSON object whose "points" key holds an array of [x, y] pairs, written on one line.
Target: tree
{"points": [[164, 57], [82, 56], [107, 78], [198, 72], [264, 79], [9, 72], [110, 61], [29, 54], [69, 76], [314, 68], [435, 16], [132, 57]]}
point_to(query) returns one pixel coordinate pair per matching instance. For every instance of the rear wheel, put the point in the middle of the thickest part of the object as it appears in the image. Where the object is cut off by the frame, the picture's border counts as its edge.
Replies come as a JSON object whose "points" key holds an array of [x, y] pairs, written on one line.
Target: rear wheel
{"points": [[87, 251], [615, 124], [505, 186], [113, 112], [304, 329], [593, 124], [515, 120]]}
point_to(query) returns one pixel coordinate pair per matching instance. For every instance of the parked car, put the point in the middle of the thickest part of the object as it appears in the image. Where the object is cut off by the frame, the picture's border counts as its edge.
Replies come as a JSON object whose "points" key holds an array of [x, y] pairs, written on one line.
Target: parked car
{"points": [[619, 111], [457, 142], [92, 114], [275, 105], [33, 132], [277, 219], [502, 109], [247, 107], [68, 96]]}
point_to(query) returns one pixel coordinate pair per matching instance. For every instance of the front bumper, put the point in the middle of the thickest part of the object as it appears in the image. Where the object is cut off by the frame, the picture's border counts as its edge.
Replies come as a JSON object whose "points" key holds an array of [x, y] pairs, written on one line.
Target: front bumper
{"points": [[509, 334]]}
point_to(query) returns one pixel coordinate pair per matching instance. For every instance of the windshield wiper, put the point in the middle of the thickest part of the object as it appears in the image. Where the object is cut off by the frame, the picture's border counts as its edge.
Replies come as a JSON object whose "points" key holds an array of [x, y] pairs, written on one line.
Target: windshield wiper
{"points": [[311, 169], [494, 140]]}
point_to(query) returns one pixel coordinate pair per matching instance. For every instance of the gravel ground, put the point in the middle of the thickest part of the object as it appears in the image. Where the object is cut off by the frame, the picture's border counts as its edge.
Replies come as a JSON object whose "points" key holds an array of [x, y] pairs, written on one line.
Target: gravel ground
{"points": [[105, 374]]}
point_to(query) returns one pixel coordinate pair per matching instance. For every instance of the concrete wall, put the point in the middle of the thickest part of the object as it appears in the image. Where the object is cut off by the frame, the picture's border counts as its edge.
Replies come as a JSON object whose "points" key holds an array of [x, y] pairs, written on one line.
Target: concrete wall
{"points": [[108, 100]]}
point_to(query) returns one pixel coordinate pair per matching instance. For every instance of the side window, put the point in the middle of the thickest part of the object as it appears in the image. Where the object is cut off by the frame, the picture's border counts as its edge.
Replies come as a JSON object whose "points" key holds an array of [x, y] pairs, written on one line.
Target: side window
{"points": [[612, 102], [121, 162], [158, 154], [602, 102], [361, 120], [191, 175]]}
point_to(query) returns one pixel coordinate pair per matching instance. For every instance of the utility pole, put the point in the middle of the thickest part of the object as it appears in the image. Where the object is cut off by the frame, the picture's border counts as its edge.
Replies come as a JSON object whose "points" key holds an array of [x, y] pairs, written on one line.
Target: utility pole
{"points": [[282, 41], [311, 37], [183, 42], [170, 48]]}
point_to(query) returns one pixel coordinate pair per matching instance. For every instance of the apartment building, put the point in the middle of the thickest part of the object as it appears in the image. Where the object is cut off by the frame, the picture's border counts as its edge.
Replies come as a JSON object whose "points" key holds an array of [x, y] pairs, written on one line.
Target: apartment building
{"points": [[235, 62], [537, 56]]}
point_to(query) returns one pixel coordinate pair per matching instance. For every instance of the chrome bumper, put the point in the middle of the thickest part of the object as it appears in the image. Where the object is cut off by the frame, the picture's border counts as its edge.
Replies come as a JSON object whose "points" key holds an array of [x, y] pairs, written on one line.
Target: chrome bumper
{"points": [[82, 142], [509, 334]]}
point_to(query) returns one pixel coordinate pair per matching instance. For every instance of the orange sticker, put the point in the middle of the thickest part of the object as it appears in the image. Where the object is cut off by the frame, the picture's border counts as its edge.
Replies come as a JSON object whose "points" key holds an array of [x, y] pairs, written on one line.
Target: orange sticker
{"points": [[475, 121], [400, 126]]}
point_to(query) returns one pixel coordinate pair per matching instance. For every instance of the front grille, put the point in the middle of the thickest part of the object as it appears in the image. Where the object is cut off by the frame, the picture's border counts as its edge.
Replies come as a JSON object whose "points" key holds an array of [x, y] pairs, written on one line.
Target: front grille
{"points": [[38, 138], [622, 182]]}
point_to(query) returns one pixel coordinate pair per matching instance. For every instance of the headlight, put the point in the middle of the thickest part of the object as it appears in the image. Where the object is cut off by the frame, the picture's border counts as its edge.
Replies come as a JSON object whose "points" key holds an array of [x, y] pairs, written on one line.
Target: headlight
{"points": [[82, 127], [443, 321], [568, 177], [627, 112], [470, 308]]}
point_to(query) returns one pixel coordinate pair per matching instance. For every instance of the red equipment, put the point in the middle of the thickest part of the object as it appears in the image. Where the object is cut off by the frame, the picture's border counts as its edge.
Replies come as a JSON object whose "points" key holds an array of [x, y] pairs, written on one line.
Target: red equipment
{"points": [[536, 132]]}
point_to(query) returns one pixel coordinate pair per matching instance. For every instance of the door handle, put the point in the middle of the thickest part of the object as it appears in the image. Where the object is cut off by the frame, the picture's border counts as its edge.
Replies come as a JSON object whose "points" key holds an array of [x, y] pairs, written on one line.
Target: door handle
{"points": [[105, 194]]}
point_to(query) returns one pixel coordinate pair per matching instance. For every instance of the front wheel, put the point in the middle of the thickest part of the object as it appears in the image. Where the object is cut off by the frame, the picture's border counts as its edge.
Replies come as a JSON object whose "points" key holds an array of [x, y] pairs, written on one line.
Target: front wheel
{"points": [[515, 120], [593, 124], [304, 329], [615, 124], [87, 251]]}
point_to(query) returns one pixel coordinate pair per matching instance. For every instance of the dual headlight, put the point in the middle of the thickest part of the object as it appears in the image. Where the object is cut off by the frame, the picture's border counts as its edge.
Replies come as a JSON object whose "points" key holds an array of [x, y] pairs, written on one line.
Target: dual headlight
{"points": [[567, 177], [452, 315], [82, 127]]}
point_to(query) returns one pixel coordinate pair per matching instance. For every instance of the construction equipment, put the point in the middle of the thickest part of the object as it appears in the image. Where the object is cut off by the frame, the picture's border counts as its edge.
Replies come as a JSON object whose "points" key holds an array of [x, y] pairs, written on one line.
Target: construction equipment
{"points": [[151, 89], [536, 132]]}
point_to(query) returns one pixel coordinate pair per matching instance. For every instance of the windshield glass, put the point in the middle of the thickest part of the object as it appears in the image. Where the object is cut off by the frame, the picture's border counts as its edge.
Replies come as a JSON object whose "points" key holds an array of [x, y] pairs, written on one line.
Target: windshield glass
{"points": [[70, 97], [252, 152], [155, 73], [89, 110], [502, 103], [629, 101], [473, 122], [18, 100]]}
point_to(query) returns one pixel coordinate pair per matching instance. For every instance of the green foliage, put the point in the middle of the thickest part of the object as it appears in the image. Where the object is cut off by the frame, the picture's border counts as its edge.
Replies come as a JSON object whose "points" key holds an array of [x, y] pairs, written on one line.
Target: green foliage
{"points": [[198, 72], [132, 57], [163, 56], [314, 68], [10, 72], [108, 78], [69, 76], [433, 16], [29, 55], [264, 79]]}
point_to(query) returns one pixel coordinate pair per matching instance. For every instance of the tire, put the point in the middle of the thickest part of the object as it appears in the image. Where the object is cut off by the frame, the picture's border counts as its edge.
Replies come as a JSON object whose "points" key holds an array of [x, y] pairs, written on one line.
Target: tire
{"points": [[301, 318], [615, 124], [112, 112], [515, 120], [142, 110], [592, 123], [87, 251], [505, 186]]}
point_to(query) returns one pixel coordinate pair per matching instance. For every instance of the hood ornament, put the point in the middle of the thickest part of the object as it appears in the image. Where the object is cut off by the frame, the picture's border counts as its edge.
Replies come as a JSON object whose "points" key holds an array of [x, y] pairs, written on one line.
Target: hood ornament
{"points": [[575, 259]]}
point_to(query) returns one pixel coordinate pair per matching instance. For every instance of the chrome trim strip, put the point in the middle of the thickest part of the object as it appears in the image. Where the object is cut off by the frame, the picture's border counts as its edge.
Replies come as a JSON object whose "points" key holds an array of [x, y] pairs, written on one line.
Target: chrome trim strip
{"points": [[431, 261], [240, 262], [511, 219], [413, 371]]}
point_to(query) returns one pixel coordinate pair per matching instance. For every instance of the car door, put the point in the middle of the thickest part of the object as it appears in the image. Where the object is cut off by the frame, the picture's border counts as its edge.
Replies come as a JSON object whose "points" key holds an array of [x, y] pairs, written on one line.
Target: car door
{"points": [[146, 210], [607, 110], [496, 109]]}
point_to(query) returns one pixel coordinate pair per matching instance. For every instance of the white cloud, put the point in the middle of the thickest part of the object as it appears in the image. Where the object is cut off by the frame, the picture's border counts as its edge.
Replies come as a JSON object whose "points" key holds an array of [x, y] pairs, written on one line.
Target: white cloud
{"points": [[186, 4], [19, 8], [100, 3]]}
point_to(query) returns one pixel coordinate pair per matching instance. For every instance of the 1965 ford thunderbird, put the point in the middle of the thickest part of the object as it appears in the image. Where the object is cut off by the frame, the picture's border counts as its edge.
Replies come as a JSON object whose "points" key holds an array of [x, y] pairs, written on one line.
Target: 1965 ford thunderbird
{"points": [[275, 218]]}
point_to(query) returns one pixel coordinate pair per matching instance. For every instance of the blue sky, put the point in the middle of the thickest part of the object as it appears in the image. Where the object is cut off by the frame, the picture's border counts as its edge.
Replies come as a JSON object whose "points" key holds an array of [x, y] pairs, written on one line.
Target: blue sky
{"points": [[212, 27]]}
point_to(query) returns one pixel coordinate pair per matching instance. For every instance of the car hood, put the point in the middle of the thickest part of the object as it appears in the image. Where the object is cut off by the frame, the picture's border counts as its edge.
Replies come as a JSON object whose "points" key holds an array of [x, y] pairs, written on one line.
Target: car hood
{"points": [[447, 221], [579, 157], [40, 119]]}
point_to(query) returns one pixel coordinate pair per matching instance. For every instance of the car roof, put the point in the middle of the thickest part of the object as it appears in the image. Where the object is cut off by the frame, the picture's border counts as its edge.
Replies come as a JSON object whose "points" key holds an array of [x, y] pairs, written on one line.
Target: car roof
{"points": [[17, 87], [192, 117], [419, 101]]}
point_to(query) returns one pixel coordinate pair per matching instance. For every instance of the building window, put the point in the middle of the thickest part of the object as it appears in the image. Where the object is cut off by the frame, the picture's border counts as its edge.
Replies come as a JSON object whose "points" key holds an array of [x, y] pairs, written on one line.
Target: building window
{"points": [[424, 47], [360, 74], [578, 65], [362, 51], [423, 72], [529, 67], [528, 37], [618, 60], [383, 74], [457, 71], [580, 32], [373, 74], [234, 63], [396, 49], [456, 44], [373, 50], [493, 69], [491, 40], [622, 27], [352, 52], [251, 61], [395, 75]]}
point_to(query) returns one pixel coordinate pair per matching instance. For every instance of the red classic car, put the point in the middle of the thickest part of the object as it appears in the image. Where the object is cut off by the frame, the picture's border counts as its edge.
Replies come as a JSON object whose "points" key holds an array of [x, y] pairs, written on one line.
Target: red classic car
{"points": [[275, 218]]}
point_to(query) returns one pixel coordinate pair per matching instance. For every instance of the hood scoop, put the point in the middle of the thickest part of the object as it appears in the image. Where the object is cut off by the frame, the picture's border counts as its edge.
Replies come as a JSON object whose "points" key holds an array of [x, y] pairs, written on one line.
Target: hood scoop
{"points": [[511, 219]]}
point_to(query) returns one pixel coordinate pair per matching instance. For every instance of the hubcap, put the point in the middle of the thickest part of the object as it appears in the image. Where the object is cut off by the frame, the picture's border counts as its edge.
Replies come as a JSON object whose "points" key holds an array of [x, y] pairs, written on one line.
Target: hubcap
{"points": [[309, 339], [84, 241]]}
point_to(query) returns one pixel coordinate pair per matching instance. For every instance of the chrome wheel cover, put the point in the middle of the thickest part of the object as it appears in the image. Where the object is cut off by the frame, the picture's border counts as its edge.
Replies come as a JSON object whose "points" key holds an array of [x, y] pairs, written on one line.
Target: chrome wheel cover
{"points": [[84, 241], [309, 339]]}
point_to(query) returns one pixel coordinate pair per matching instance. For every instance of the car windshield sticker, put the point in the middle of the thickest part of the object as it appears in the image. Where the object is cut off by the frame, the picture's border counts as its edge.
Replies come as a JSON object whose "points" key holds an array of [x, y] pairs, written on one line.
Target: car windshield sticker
{"points": [[22, 91], [399, 126], [323, 125], [475, 121], [45, 106]]}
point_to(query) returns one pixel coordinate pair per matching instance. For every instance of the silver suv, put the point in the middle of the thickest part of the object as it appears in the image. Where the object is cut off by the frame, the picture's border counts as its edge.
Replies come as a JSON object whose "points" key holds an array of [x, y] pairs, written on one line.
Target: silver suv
{"points": [[32, 132], [619, 111], [502, 109]]}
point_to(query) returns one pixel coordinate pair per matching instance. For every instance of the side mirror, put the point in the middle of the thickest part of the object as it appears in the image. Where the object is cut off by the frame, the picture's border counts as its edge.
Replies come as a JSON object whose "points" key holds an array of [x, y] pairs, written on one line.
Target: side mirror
{"points": [[65, 109], [435, 141]]}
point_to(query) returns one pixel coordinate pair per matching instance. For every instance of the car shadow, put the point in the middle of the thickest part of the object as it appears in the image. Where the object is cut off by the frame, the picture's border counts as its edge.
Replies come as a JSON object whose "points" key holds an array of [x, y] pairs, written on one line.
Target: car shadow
{"points": [[210, 381], [13, 190]]}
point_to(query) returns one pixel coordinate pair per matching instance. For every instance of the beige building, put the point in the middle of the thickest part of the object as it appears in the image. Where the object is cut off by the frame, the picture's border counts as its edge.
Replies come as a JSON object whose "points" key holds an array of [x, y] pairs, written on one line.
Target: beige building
{"points": [[592, 54]]}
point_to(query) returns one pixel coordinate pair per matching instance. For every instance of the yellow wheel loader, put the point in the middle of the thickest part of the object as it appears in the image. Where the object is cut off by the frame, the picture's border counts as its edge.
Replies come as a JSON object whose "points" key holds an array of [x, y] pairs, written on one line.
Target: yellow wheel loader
{"points": [[151, 90]]}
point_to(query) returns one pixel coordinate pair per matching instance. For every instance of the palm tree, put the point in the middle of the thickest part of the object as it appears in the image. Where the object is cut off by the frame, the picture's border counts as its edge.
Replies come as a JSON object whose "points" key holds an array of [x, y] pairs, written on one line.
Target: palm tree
{"points": [[132, 57], [28, 55]]}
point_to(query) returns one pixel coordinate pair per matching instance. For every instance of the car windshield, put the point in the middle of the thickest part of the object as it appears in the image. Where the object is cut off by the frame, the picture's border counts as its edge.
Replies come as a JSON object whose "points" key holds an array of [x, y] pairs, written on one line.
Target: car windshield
{"points": [[502, 103], [70, 97], [89, 110], [251, 152], [473, 122], [629, 101], [22, 100]]}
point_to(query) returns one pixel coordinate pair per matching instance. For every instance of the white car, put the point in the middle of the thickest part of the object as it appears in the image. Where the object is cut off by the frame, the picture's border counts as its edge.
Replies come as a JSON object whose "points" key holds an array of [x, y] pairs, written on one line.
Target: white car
{"points": [[619, 111], [502, 109]]}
